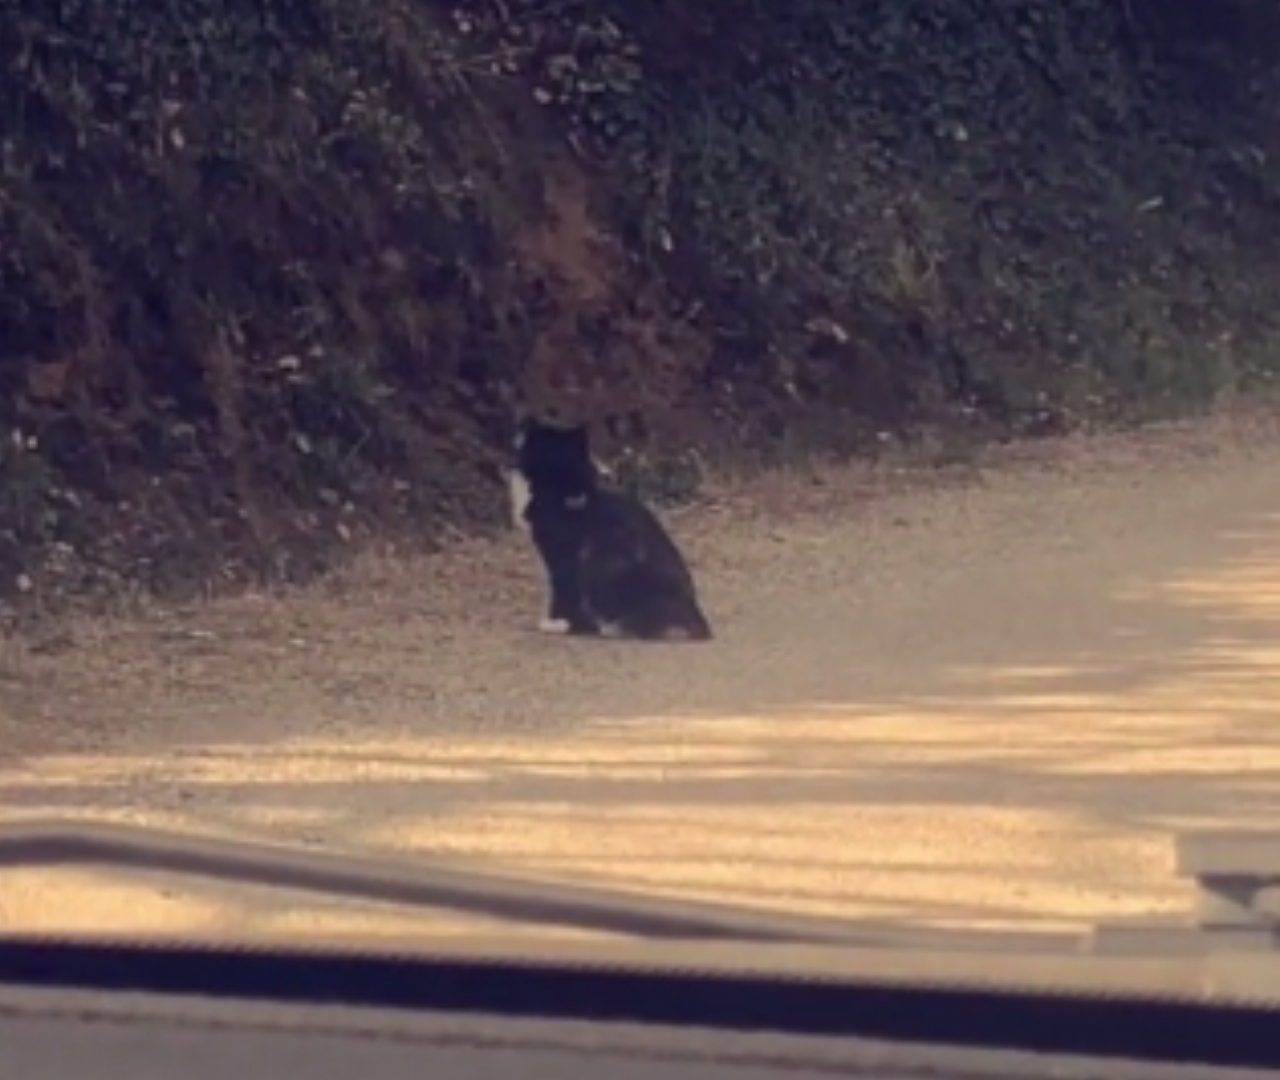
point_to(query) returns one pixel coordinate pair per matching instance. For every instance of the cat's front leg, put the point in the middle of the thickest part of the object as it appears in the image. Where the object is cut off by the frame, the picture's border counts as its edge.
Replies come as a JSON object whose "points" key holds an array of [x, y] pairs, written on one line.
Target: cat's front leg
{"points": [[558, 540], [567, 614], [579, 627], [582, 626]]}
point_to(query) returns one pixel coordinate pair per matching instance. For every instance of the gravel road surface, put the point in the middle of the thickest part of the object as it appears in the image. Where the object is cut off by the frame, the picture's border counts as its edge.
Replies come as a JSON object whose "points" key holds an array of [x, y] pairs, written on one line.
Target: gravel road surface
{"points": [[983, 695]]}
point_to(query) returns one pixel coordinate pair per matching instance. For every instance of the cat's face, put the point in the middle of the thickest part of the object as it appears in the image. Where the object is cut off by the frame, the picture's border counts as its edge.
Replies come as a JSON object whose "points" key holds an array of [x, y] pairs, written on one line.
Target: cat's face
{"points": [[544, 442], [548, 457], [555, 459]]}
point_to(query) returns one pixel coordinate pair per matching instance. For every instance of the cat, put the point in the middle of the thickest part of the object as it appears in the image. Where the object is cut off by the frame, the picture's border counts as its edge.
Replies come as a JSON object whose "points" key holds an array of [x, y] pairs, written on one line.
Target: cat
{"points": [[613, 569]]}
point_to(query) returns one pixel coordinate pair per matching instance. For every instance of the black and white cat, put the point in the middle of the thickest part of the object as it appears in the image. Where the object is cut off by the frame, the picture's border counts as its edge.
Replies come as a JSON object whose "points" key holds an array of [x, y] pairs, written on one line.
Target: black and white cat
{"points": [[614, 570]]}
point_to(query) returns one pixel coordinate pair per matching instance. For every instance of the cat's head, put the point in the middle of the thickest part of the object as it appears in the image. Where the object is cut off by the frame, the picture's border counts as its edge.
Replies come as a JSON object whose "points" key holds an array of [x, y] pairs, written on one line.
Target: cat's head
{"points": [[550, 438], [556, 458]]}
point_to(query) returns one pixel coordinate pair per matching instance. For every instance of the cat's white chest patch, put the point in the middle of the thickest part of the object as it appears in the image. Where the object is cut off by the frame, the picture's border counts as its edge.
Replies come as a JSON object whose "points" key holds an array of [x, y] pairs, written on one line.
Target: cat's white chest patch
{"points": [[518, 490]]}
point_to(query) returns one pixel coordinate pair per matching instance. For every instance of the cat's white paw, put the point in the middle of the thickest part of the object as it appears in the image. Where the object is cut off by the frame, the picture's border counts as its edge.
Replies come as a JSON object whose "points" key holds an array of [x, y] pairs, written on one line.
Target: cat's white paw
{"points": [[553, 626], [612, 630]]}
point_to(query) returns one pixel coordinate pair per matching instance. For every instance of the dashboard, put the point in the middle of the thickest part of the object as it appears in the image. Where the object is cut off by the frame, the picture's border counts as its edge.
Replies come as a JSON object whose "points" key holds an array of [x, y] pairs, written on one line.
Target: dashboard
{"points": [[709, 992], [73, 1035]]}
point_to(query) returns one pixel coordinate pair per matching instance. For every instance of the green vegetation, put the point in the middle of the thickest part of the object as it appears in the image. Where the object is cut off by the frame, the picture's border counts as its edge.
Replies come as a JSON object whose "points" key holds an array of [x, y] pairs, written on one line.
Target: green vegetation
{"points": [[273, 272]]}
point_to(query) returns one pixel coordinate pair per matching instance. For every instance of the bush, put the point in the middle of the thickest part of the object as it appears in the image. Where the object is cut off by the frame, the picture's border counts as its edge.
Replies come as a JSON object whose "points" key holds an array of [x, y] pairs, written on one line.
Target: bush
{"points": [[273, 273]]}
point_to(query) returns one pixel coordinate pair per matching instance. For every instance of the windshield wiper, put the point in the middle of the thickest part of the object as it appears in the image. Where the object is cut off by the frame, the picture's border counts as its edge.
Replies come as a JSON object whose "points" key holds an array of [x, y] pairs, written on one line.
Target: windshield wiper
{"points": [[703, 965], [417, 882]]}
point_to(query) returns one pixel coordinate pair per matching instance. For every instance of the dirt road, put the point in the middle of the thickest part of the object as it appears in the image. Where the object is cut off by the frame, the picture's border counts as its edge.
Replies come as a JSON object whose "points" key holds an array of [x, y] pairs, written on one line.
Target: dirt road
{"points": [[986, 696]]}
